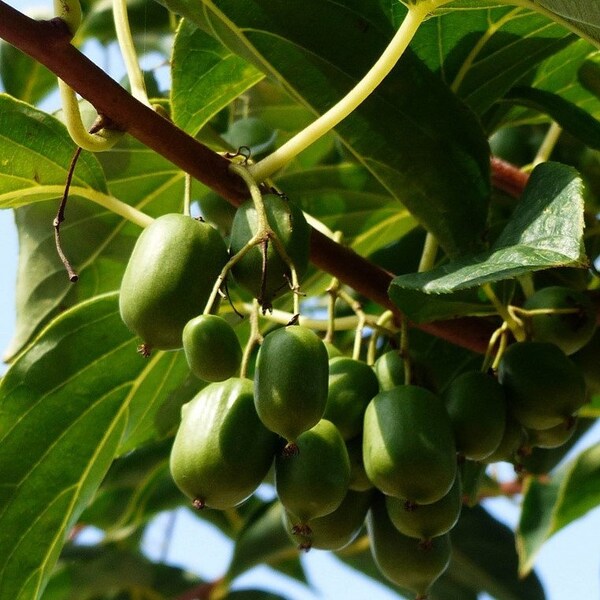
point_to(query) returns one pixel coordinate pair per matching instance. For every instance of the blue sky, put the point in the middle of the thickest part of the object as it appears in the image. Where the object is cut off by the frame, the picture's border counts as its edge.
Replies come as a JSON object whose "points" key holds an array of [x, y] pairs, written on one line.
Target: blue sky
{"points": [[569, 563]]}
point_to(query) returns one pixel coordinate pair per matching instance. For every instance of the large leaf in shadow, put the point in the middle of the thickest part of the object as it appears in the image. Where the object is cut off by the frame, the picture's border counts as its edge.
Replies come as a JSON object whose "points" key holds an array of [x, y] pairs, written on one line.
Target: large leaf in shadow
{"points": [[481, 54], [412, 133], [67, 406], [581, 15], [545, 231]]}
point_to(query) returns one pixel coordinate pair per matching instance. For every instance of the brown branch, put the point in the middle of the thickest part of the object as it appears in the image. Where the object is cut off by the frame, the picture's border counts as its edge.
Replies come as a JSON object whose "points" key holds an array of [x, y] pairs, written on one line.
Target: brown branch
{"points": [[48, 42]]}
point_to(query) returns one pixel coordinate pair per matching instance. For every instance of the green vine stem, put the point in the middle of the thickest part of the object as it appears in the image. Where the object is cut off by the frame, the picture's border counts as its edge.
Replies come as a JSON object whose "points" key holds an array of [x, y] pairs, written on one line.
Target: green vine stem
{"points": [[547, 145], [332, 296], [513, 324], [254, 339], [430, 248], [264, 231], [416, 14], [134, 73], [187, 194], [382, 321], [69, 11]]}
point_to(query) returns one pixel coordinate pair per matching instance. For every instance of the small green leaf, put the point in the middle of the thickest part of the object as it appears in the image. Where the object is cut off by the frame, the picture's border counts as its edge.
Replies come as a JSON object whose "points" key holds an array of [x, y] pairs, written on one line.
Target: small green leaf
{"points": [[570, 117], [206, 77], [548, 506], [545, 231]]}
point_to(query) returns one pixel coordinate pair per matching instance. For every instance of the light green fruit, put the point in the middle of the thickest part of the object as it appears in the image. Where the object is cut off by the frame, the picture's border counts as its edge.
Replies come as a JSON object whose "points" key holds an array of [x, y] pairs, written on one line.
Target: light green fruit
{"points": [[313, 482], [169, 277], [389, 369], [404, 560], [426, 521], [408, 444], [477, 408], [543, 387], [352, 385], [571, 331], [358, 476], [290, 381], [335, 530], [222, 451], [212, 349], [289, 225]]}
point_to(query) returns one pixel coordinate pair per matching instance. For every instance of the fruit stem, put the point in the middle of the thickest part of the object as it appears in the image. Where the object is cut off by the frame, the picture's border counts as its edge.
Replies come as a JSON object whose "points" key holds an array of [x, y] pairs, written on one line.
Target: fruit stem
{"points": [[357, 308], [123, 31], [264, 231], [430, 248], [547, 146], [404, 351], [187, 194], [254, 339], [513, 324], [383, 320], [416, 14]]}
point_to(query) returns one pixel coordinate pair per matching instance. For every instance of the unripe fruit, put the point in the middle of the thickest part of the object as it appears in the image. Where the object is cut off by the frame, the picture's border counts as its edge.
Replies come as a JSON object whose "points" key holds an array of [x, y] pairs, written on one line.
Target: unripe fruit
{"points": [[408, 444], [290, 381], [313, 482], [571, 331], [212, 349], [389, 369], [553, 437], [289, 225], [352, 385], [222, 451], [337, 529], [404, 560], [426, 521], [359, 481], [543, 387], [169, 277], [588, 359], [477, 409], [513, 439]]}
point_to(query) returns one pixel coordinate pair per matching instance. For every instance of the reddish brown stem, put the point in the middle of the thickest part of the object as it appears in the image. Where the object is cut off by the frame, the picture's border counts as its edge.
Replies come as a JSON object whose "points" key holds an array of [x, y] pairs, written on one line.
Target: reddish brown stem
{"points": [[48, 42]]}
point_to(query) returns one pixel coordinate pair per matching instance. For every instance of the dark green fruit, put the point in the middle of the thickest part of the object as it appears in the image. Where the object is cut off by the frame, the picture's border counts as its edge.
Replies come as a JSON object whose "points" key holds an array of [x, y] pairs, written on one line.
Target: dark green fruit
{"points": [[216, 210], [543, 387], [212, 349], [169, 277], [292, 230], [408, 444], [290, 380], [404, 560], [570, 332], [477, 408], [313, 482], [389, 369], [352, 385], [337, 529], [222, 451], [359, 481], [513, 439], [426, 521], [555, 436], [588, 360]]}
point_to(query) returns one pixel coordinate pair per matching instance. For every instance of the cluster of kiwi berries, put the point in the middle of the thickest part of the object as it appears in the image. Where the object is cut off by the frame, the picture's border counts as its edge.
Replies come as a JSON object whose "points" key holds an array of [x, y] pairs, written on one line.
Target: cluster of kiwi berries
{"points": [[350, 443]]}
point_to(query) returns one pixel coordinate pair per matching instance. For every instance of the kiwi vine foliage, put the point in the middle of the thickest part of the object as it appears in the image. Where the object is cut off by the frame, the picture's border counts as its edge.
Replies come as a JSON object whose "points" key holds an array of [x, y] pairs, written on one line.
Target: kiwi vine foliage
{"points": [[86, 426]]}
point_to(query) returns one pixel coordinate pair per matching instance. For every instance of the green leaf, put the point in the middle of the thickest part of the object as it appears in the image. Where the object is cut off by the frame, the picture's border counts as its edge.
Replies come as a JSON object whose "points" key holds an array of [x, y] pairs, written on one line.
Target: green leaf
{"points": [[570, 117], [263, 539], [23, 77], [484, 557], [429, 151], [545, 231], [38, 153], [347, 198], [481, 54], [67, 400], [206, 77], [550, 505]]}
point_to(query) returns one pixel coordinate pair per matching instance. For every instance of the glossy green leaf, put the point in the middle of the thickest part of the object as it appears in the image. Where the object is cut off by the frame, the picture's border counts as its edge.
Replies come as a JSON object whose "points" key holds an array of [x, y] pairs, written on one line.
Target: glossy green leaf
{"points": [[37, 152], [570, 117], [550, 505], [68, 400], [545, 231], [408, 150], [206, 77]]}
